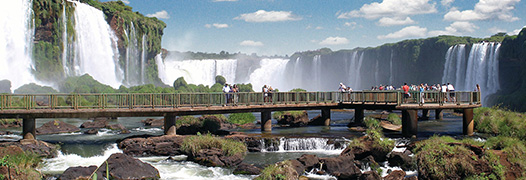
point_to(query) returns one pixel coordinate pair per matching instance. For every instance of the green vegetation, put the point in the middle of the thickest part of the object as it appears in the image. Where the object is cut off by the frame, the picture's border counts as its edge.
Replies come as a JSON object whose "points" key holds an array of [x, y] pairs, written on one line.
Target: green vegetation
{"points": [[192, 145], [514, 149], [241, 118], [393, 118], [500, 122], [180, 86], [24, 163], [33, 88], [374, 132], [279, 171], [298, 90], [445, 158], [294, 114], [187, 121]]}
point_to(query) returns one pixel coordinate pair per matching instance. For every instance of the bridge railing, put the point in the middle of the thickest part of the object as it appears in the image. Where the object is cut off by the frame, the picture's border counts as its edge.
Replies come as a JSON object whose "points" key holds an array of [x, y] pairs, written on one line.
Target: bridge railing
{"points": [[165, 100]]}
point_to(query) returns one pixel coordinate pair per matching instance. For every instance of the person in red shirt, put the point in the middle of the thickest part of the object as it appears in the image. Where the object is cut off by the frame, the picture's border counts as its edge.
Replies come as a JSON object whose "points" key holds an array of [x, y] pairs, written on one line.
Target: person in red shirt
{"points": [[406, 91]]}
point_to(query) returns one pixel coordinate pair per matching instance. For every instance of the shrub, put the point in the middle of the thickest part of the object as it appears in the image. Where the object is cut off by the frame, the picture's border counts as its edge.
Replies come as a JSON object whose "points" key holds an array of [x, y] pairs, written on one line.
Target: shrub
{"points": [[295, 114], [188, 121], [514, 148], [193, 144], [241, 118], [500, 122], [279, 171], [394, 119]]}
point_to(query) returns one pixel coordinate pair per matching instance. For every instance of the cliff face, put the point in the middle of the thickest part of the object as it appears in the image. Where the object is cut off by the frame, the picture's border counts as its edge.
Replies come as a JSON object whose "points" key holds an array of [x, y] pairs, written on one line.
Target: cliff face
{"points": [[54, 18], [512, 65]]}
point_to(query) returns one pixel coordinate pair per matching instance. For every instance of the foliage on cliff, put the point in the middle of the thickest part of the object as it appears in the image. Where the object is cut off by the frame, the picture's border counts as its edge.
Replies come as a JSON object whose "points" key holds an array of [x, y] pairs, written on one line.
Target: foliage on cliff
{"points": [[512, 76]]}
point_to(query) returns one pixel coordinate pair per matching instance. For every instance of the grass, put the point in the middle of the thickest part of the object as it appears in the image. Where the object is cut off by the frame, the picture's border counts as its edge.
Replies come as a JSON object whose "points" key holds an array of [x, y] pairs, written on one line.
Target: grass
{"points": [[500, 122], [193, 144], [295, 114], [23, 162], [187, 120], [279, 171], [394, 119], [241, 118], [513, 147]]}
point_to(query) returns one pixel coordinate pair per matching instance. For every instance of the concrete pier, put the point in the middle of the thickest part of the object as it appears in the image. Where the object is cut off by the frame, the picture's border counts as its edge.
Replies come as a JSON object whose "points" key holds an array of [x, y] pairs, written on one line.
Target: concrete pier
{"points": [[266, 121], [439, 115], [467, 122], [409, 123], [169, 125], [29, 128], [326, 115], [358, 115]]}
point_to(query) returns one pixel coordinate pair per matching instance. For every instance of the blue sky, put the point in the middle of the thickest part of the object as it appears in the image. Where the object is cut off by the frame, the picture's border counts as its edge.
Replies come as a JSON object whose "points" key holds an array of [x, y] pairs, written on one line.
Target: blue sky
{"points": [[282, 27]]}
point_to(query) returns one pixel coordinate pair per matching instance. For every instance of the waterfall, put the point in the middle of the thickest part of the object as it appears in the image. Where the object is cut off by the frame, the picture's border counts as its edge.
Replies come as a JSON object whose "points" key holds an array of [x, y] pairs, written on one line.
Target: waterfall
{"points": [[480, 67], [65, 39], [302, 144], [16, 39], [316, 72], [95, 46], [391, 73], [143, 57], [132, 56], [297, 73], [197, 71], [271, 72], [354, 70]]}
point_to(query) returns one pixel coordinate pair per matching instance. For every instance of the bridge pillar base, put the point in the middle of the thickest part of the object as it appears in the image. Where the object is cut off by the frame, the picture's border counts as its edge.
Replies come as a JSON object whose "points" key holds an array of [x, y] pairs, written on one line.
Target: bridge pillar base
{"points": [[358, 116], [425, 114], [439, 115], [169, 125], [467, 123], [266, 121], [326, 116], [409, 123], [28, 128]]}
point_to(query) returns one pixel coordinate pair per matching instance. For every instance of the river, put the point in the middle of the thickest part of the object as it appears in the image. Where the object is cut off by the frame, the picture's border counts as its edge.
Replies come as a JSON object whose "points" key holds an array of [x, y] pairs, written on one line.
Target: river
{"points": [[78, 149]]}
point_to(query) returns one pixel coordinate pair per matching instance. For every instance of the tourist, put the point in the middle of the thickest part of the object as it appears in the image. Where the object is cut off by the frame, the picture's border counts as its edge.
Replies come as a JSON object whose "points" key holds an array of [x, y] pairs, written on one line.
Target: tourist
{"points": [[451, 91], [477, 88], [226, 90], [235, 90], [265, 93], [443, 89], [422, 89], [270, 93], [406, 92], [342, 90]]}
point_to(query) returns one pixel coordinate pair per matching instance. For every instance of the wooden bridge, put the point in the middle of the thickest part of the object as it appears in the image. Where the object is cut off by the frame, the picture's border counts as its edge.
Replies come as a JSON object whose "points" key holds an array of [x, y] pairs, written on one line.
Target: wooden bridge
{"points": [[32, 106]]}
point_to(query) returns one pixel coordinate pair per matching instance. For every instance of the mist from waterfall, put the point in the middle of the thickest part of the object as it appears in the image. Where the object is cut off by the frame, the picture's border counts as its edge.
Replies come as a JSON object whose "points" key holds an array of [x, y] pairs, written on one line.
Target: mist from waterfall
{"points": [[197, 71], [95, 46], [481, 67], [271, 73], [16, 39]]}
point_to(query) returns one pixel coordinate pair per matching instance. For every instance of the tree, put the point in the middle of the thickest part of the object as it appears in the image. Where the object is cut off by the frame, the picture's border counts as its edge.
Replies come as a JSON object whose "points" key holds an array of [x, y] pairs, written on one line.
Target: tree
{"points": [[221, 80], [179, 82]]}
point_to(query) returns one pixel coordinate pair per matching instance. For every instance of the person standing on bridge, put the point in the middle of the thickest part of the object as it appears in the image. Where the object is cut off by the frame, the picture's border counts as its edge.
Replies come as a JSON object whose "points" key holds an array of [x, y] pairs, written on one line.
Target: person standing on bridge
{"points": [[451, 90], [406, 92], [422, 89], [265, 93], [226, 90]]}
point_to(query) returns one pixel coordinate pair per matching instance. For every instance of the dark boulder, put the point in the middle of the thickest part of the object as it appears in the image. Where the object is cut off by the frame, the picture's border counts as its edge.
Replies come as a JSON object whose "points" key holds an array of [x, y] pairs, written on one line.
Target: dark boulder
{"points": [[97, 123], [309, 161], [248, 126], [370, 175], [401, 159], [342, 167], [214, 157], [153, 122], [56, 127], [294, 120], [118, 127], [247, 169], [77, 173], [395, 175], [124, 167], [297, 166], [43, 149], [91, 131], [319, 121], [366, 149], [152, 146]]}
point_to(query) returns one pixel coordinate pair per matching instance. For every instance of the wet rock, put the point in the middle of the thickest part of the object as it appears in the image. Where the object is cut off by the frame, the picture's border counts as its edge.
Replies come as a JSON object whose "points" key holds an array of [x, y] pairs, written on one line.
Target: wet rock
{"points": [[294, 121], [319, 121], [401, 159], [367, 149], [395, 175], [121, 166], [309, 161], [56, 127], [119, 127], [91, 131], [370, 175], [152, 146], [153, 122], [298, 166], [77, 173], [214, 157], [97, 123], [6, 132], [247, 169], [9, 123], [43, 149], [342, 167], [248, 126]]}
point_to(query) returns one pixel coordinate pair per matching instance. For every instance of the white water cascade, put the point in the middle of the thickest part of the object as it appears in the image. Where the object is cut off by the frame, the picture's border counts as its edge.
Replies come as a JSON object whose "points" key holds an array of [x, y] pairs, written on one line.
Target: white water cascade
{"points": [[197, 71], [354, 70], [316, 72], [143, 57], [95, 46], [480, 67], [271, 72], [302, 145], [16, 38]]}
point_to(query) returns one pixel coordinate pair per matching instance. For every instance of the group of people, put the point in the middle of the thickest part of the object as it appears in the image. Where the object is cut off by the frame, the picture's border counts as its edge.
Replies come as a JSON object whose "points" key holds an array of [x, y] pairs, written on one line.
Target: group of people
{"points": [[230, 93], [445, 89], [267, 93]]}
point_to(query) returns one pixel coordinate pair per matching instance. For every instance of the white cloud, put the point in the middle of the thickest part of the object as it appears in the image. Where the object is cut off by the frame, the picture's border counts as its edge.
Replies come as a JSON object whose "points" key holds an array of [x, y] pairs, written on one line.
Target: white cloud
{"points": [[216, 25], [456, 28], [495, 30], [268, 16], [160, 15], [388, 21], [250, 43], [391, 8], [334, 41], [447, 3], [410, 31], [350, 24], [125, 1], [485, 10]]}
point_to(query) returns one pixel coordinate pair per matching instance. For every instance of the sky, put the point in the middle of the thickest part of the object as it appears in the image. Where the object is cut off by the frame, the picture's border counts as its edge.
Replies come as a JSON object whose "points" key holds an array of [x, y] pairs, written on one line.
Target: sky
{"points": [[283, 27]]}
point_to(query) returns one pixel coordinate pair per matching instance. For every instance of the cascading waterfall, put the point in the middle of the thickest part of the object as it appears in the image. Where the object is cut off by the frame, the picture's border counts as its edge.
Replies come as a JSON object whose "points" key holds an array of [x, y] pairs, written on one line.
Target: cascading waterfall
{"points": [[132, 56], [354, 70], [391, 73], [297, 73], [301, 144], [197, 71], [65, 39], [316, 70], [480, 67], [271, 72], [16, 39], [95, 46], [143, 57]]}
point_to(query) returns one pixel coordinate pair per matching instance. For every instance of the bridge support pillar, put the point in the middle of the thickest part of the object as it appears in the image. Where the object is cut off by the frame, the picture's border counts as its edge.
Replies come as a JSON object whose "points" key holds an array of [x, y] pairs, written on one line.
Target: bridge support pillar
{"points": [[439, 115], [28, 128], [358, 116], [169, 125], [266, 121], [326, 116], [425, 114], [409, 123], [467, 123]]}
